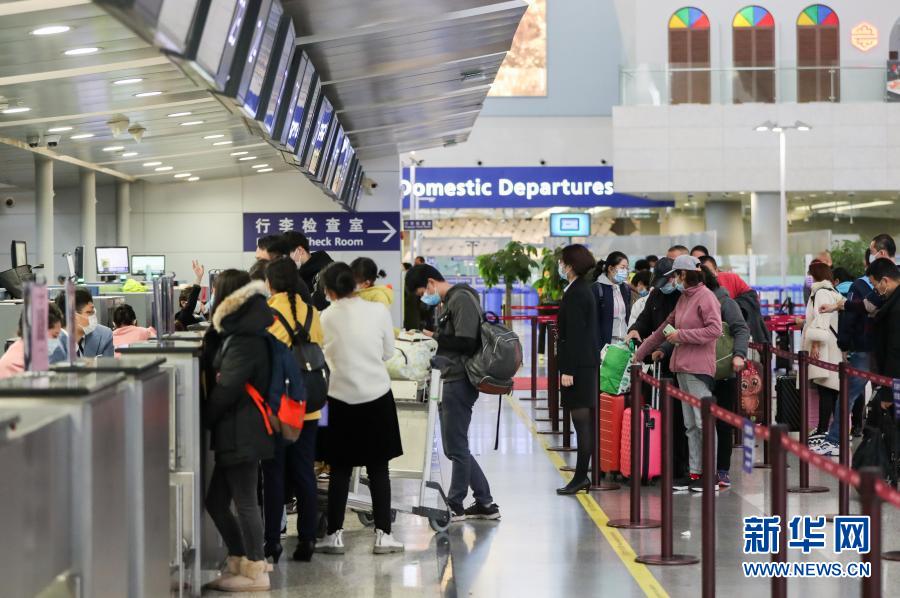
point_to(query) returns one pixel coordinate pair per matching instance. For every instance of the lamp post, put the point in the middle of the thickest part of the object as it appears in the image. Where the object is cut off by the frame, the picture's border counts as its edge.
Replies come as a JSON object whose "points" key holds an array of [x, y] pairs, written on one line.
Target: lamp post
{"points": [[413, 203], [781, 130]]}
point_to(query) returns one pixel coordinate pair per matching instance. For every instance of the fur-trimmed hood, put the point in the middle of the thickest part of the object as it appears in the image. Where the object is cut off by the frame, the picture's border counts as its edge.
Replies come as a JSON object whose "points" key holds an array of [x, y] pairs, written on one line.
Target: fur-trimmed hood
{"points": [[243, 311]]}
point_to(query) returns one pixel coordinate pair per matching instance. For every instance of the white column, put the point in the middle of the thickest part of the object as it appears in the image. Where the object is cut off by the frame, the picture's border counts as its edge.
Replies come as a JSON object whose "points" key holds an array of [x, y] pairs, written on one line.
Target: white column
{"points": [[123, 213], [89, 222], [43, 201], [726, 218], [765, 219]]}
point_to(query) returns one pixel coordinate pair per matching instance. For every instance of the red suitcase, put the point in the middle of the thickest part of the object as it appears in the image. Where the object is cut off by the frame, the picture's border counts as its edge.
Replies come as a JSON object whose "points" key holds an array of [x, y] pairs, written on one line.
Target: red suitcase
{"points": [[651, 439], [611, 409]]}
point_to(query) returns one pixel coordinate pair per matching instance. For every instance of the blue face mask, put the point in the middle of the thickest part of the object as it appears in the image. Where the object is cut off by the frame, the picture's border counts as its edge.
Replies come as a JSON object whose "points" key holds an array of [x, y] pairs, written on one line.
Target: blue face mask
{"points": [[667, 289], [679, 286], [562, 272], [621, 276], [430, 299], [53, 345], [643, 293], [844, 287]]}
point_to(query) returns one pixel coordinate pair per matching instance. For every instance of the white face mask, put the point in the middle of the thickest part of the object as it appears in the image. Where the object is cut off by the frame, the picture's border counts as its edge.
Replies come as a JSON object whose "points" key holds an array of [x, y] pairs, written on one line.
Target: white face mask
{"points": [[91, 325]]}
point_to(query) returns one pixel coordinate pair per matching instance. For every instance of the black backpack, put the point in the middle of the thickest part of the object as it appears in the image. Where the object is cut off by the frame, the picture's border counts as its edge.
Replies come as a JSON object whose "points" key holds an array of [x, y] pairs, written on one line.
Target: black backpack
{"points": [[311, 360], [879, 446]]}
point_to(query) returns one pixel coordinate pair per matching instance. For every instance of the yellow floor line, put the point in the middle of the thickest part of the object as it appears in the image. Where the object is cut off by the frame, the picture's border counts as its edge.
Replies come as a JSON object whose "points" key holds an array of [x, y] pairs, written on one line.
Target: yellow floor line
{"points": [[641, 574]]}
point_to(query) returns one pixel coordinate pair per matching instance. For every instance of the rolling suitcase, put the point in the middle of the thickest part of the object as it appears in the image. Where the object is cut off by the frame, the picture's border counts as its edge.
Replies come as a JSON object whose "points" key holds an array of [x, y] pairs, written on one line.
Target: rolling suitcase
{"points": [[651, 439], [611, 410], [788, 408]]}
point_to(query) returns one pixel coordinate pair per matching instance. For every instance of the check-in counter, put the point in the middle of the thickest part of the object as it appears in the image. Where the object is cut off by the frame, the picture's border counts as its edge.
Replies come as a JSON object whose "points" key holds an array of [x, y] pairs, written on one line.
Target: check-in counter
{"points": [[36, 500], [149, 386], [86, 467], [189, 459]]}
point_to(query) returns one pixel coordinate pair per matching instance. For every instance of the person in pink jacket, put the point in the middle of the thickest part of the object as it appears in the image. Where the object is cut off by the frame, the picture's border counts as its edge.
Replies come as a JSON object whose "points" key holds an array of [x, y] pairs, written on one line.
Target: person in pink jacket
{"points": [[696, 324], [13, 361], [127, 331]]}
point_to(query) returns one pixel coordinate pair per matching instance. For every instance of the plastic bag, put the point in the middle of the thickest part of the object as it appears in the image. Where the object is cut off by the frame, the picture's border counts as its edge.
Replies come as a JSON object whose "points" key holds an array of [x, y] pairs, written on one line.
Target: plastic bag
{"points": [[615, 370]]}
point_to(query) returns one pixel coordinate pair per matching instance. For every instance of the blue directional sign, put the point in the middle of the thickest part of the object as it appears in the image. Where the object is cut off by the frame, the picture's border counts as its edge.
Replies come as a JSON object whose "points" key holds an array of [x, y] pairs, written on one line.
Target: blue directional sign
{"points": [[328, 231], [418, 224]]}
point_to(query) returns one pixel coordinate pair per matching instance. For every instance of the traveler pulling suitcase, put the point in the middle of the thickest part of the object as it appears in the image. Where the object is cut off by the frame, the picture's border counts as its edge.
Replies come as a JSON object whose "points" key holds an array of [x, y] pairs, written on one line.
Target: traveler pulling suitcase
{"points": [[611, 410], [651, 439]]}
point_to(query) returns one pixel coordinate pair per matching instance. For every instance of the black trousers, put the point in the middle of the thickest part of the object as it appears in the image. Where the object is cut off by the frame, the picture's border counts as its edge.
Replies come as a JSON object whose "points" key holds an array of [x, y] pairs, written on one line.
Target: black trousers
{"points": [[294, 462], [379, 487], [725, 392], [243, 535], [827, 399]]}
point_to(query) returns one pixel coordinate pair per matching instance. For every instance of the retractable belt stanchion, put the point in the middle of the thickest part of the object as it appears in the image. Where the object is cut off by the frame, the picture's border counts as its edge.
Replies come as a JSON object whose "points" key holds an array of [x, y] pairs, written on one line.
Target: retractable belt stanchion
{"points": [[666, 554], [552, 385], [765, 355], [778, 501], [534, 361], [708, 550], [803, 379], [844, 444], [871, 507], [634, 520]]}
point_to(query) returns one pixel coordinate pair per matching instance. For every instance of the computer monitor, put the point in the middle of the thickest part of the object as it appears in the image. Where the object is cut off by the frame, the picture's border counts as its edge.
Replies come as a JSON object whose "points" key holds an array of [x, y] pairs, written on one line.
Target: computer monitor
{"points": [[18, 253], [112, 260], [570, 225], [155, 263], [70, 266]]}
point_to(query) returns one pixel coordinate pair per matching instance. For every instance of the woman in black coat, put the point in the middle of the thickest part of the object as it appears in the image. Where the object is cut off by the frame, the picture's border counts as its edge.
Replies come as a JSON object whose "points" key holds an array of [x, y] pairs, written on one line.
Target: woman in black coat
{"points": [[578, 357], [240, 434]]}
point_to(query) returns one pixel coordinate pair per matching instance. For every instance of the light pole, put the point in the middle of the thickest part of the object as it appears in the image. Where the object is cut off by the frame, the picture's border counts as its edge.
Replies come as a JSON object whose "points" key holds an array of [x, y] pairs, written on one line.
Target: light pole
{"points": [[413, 203], [770, 127]]}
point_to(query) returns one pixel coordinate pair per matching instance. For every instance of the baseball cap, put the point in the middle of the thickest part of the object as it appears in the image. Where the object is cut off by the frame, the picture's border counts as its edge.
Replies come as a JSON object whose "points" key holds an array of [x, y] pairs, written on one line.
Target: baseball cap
{"points": [[663, 265], [683, 262]]}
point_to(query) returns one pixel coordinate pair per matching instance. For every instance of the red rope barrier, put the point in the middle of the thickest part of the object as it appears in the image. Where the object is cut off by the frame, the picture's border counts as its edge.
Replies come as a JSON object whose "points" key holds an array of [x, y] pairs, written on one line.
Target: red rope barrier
{"points": [[831, 367], [648, 379], [515, 318], [783, 354], [833, 468]]}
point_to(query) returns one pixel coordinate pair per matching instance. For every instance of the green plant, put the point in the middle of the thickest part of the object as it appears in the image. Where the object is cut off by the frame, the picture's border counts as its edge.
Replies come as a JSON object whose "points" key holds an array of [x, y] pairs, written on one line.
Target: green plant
{"points": [[850, 255], [511, 264], [550, 286]]}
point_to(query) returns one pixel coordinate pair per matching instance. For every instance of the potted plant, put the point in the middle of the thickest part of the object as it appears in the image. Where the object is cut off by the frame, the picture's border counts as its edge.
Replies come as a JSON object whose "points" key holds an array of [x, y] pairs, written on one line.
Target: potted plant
{"points": [[511, 264], [550, 286], [850, 255]]}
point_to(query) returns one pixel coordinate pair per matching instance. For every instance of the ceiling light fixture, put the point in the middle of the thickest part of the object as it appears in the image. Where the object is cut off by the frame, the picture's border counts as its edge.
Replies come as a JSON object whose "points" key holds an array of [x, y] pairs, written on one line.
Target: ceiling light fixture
{"points": [[51, 30], [191, 123], [81, 51], [129, 81], [215, 136], [164, 168], [113, 148], [16, 110], [870, 204], [193, 179], [149, 164], [245, 158], [223, 142], [81, 136], [239, 153], [148, 94], [177, 114], [59, 129], [260, 166], [129, 154], [264, 170], [182, 175]]}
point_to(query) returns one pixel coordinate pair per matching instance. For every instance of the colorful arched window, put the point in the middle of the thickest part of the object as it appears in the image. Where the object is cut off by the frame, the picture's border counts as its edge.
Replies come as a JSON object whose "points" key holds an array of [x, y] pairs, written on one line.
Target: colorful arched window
{"points": [[753, 54], [689, 62], [818, 55]]}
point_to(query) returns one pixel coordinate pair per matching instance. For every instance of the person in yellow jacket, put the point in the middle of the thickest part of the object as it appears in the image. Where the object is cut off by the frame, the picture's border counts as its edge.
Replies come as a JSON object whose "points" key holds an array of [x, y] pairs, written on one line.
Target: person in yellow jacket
{"points": [[297, 459], [367, 274]]}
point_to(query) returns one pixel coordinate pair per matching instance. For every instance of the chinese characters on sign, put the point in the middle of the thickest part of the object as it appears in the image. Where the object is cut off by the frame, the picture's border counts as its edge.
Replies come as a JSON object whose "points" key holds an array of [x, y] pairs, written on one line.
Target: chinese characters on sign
{"points": [[330, 231], [864, 36], [418, 224], [805, 533]]}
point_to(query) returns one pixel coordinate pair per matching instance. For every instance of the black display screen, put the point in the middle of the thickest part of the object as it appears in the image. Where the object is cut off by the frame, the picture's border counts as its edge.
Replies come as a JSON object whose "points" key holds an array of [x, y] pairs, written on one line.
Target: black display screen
{"points": [[320, 137], [259, 55], [289, 120], [334, 156], [280, 91], [304, 145]]}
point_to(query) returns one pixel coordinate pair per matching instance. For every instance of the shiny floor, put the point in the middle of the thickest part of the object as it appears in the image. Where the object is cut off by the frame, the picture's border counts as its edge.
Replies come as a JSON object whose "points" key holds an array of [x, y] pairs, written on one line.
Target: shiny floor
{"points": [[546, 545]]}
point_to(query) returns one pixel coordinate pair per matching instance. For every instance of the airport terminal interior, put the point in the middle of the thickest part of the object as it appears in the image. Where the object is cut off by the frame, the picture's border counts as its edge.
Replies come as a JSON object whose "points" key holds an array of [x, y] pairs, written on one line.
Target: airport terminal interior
{"points": [[457, 298]]}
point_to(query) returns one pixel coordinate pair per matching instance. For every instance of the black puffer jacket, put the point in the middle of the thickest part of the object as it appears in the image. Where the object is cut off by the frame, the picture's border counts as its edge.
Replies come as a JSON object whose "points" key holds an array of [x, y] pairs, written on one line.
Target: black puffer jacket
{"points": [[887, 337], [309, 273], [238, 429]]}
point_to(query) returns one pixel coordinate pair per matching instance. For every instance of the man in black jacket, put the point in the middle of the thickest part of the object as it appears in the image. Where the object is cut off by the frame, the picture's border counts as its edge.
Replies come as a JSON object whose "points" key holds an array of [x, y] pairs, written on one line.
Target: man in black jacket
{"points": [[459, 323], [309, 265], [855, 337], [886, 345]]}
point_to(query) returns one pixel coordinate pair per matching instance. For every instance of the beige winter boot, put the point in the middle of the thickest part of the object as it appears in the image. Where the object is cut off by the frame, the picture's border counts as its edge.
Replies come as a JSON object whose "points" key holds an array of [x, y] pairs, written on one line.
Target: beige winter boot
{"points": [[253, 578], [232, 569]]}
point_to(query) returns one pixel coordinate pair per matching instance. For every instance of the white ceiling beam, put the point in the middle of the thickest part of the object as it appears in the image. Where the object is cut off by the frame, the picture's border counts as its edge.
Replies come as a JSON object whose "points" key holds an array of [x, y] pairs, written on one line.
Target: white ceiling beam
{"points": [[117, 110], [67, 159], [83, 71], [26, 6]]}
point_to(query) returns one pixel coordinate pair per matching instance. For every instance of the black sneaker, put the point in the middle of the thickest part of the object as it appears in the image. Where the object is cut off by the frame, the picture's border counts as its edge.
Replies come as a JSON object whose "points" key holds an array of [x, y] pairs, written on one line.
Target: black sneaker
{"points": [[697, 485], [479, 511], [457, 513], [682, 483]]}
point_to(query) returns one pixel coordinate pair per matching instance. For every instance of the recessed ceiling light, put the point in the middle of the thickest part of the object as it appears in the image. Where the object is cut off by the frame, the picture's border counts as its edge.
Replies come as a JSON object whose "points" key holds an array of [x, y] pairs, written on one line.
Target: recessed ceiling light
{"points": [[82, 136], [113, 148], [149, 164], [191, 123], [51, 30], [182, 175], [260, 166], [164, 168], [264, 170], [215, 136], [16, 110], [81, 51], [238, 153], [129, 154], [129, 81], [223, 142], [59, 129], [245, 158], [177, 114], [193, 179], [147, 94]]}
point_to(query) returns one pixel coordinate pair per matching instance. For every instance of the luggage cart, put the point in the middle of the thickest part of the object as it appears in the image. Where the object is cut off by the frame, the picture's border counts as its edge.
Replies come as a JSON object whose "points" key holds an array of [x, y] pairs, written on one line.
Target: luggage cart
{"points": [[418, 416]]}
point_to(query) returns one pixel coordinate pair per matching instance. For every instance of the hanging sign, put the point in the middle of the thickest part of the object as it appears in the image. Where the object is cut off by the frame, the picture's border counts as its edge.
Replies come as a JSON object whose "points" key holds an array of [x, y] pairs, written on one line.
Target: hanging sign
{"points": [[329, 231]]}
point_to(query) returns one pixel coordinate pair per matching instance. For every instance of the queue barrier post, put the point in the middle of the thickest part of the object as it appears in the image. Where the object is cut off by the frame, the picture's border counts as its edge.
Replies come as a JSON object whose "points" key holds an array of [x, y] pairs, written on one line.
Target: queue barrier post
{"points": [[534, 361], [634, 520], [803, 379], [844, 431], [778, 500], [666, 554], [552, 384], [708, 549], [871, 506], [566, 446], [765, 355]]}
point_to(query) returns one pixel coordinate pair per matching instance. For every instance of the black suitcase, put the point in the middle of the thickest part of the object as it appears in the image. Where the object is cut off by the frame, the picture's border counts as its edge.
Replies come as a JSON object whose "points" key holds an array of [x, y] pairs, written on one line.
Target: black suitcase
{"points": [[788, 409]]}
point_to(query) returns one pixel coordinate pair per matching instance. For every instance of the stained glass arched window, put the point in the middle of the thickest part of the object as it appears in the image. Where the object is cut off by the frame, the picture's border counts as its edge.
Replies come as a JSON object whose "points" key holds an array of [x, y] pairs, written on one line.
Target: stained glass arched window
{"points": [[818, 55], [689, 52], [753, 54]]}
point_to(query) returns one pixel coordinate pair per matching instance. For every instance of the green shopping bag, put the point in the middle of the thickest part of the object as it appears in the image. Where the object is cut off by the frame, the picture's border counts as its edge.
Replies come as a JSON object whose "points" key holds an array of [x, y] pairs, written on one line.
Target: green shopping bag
{"points": [[615, 371]]}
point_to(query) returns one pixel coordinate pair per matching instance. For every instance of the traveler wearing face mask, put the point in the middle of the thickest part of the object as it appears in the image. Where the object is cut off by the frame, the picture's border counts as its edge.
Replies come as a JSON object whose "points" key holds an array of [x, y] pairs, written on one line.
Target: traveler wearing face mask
{"points": [[641, 285], [92, 339], [13, 361], [366, 273], [309, 264], [613, 295]]}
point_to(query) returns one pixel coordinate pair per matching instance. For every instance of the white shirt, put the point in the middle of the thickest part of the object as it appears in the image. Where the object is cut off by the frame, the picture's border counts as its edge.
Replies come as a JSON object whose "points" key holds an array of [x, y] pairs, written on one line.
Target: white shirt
{"points": [[358, 339]]}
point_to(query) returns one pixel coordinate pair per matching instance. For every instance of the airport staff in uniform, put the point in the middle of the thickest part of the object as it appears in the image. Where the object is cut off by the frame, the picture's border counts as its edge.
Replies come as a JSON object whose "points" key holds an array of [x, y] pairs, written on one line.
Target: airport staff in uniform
{"points": [[92, 339]]}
